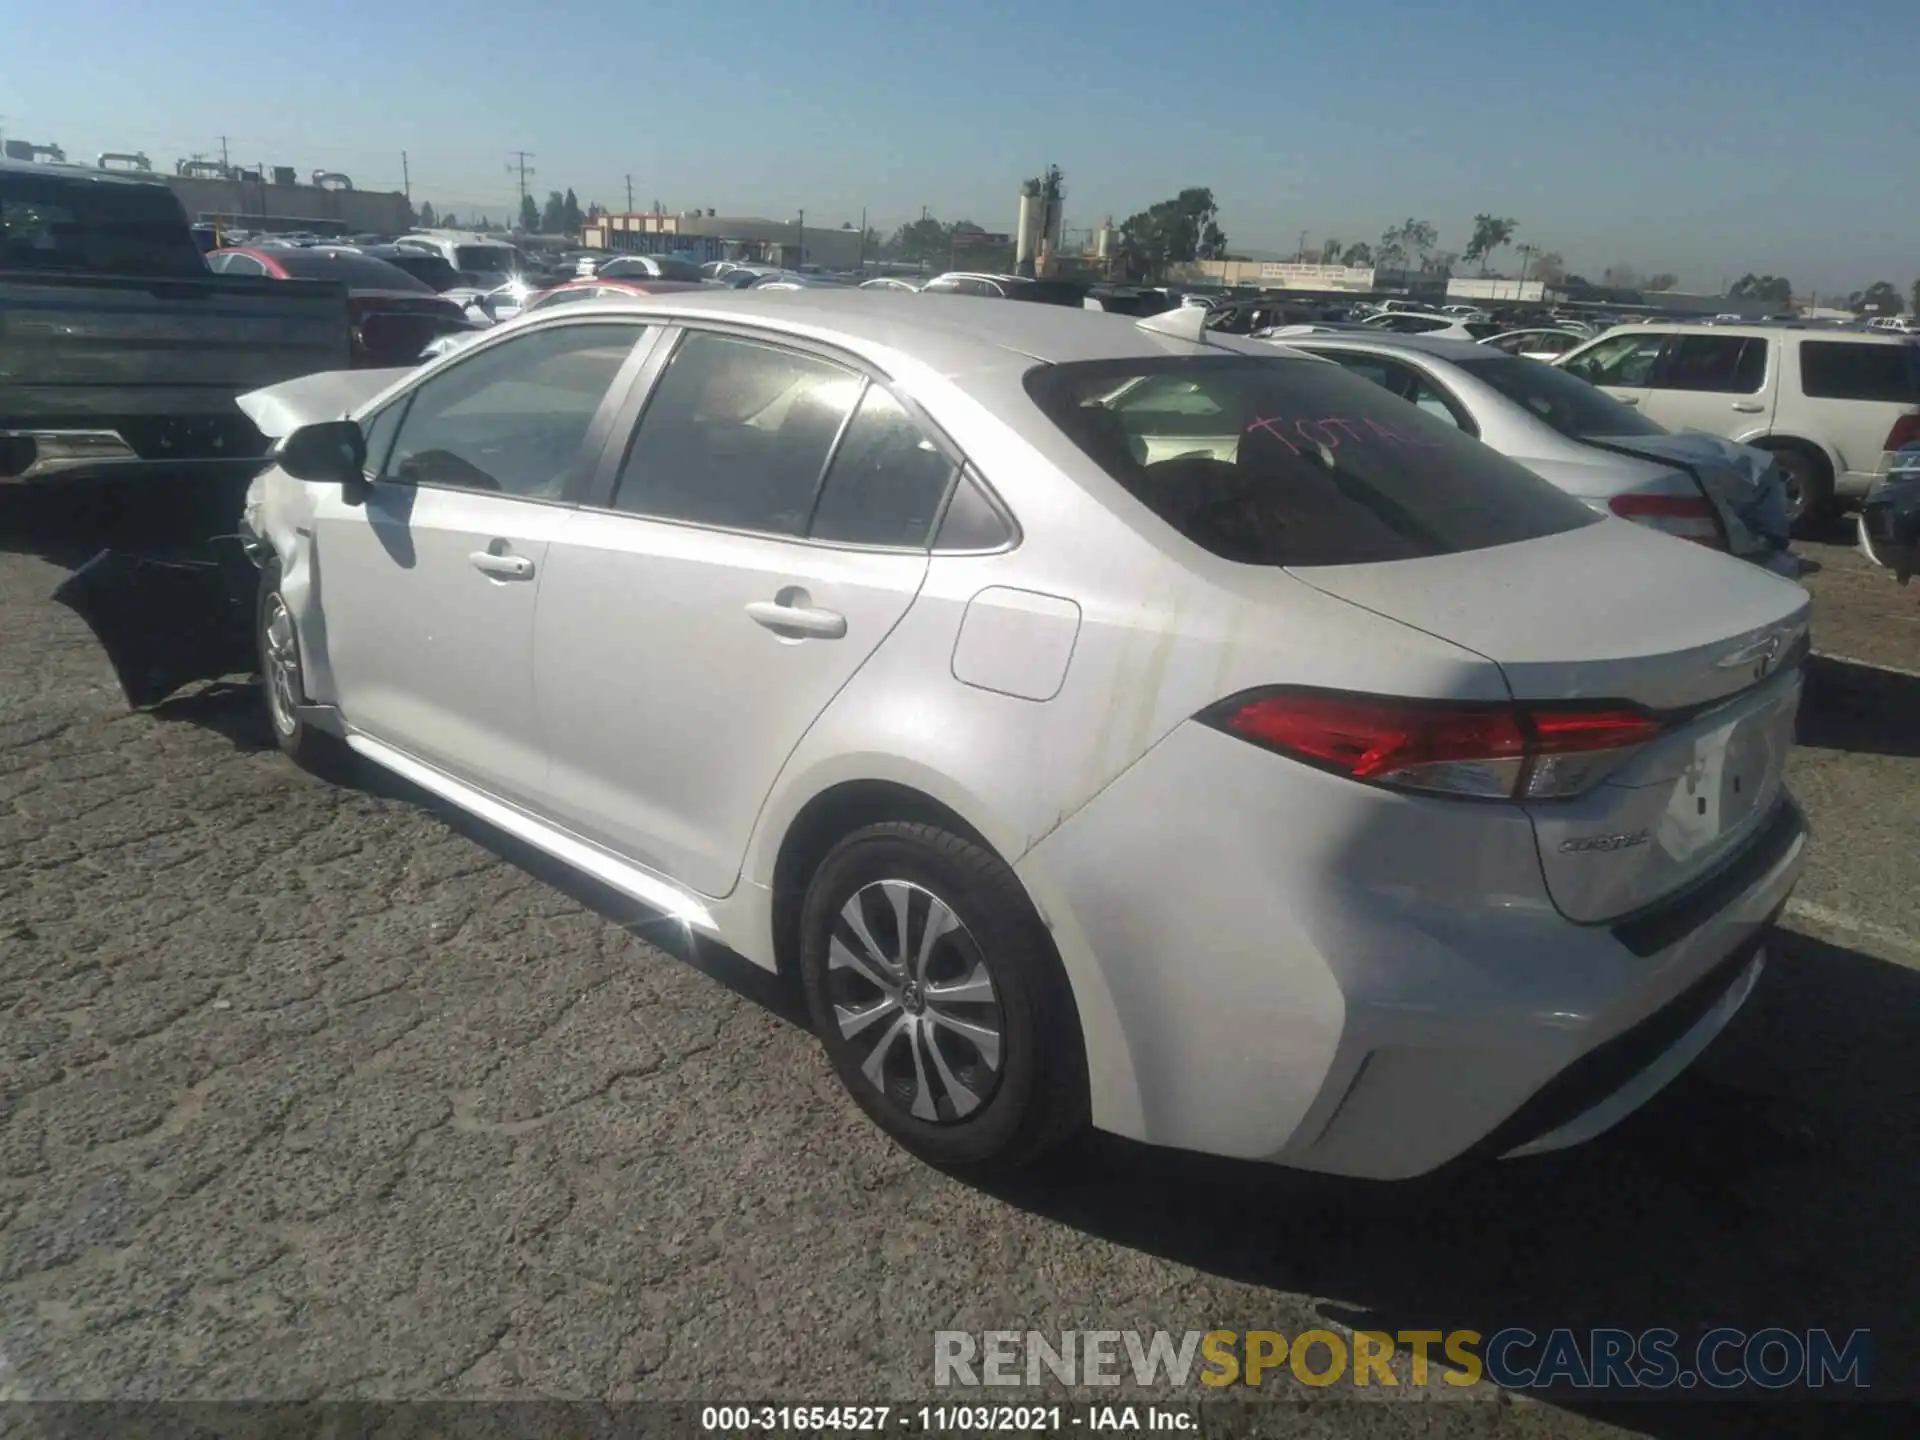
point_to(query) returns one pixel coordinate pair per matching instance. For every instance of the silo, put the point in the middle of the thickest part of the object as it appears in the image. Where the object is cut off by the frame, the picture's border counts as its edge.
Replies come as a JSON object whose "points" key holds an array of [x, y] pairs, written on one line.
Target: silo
{"points": [[1026, 237]]}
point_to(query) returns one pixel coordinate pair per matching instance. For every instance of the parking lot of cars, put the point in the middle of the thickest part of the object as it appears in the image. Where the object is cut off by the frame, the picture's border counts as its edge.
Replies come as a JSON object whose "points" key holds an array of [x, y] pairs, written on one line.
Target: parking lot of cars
{"points": [[318, 1088], [380, 1080]]}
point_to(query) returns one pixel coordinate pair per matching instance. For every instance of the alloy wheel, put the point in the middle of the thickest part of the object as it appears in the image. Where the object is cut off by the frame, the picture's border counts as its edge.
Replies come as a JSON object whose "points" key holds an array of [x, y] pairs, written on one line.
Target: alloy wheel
{"points": [[912, 992], [282, 666]]}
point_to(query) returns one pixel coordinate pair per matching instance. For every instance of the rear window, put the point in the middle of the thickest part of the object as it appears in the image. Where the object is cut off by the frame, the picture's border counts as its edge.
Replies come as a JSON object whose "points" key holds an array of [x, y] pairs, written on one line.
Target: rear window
{"points": [[1295, 462], [431, 270], [1849, 370], [672, 268], [358, 272], [1566, 402], [497, 259], [47, 223]]}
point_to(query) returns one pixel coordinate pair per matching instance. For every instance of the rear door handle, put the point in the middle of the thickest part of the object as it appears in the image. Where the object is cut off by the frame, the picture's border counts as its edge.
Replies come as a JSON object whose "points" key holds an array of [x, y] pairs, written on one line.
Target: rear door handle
{"points": [[797, 620], [1747, 407], [504, 567]]}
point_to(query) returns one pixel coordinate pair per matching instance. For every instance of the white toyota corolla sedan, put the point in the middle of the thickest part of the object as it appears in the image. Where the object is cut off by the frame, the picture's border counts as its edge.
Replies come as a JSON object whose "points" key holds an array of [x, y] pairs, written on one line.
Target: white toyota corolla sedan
{"points": [[1107, 725]]}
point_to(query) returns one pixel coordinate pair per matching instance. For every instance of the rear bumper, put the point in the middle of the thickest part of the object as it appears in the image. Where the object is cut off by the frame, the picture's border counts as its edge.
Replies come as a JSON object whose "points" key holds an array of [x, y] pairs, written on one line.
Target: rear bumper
{"points": [[142, 447], [1338, 978]]}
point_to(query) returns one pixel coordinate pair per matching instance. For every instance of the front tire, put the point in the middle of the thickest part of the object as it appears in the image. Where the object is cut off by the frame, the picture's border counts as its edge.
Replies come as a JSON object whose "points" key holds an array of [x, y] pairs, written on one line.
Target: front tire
{"points": [[936, 991], [283, 682]]}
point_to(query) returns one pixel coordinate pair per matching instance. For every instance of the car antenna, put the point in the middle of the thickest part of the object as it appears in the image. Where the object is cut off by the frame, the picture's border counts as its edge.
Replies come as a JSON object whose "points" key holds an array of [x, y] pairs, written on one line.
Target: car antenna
{"points": [[1183, 322]]}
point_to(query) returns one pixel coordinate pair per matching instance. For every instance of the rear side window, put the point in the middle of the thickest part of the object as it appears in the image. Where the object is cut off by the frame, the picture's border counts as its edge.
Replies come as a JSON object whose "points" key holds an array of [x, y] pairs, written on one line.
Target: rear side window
{"points": [[887, 479], [49, 223], [1722, 364], [1295, 462], [1848, 370]]}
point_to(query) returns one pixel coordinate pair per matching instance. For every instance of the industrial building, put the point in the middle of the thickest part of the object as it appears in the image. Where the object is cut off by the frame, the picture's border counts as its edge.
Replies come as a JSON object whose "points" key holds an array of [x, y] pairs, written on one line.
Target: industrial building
{"points": [[706, 236], [271, 198]]}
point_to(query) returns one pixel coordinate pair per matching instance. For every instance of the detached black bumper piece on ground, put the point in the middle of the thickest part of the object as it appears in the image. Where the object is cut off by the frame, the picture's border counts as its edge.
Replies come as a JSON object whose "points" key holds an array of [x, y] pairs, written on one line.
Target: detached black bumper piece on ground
{"points": [[168, 623]]}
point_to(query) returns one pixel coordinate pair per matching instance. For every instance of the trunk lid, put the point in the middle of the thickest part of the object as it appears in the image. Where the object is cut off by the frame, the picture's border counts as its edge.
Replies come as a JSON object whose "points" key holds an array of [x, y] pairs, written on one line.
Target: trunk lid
{"points": [[1736, 478], [1616, 612]]}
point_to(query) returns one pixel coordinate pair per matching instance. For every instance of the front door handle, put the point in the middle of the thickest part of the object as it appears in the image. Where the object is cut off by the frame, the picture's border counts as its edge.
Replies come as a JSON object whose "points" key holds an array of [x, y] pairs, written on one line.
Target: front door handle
{"points": [[1628, 399], [798, 620], [1747, 407], [503, 567]]}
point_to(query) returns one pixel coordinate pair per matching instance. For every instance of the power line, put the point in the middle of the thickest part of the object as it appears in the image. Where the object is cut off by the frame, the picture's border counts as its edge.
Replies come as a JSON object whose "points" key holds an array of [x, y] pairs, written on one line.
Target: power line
{"points": [[519, 164]]}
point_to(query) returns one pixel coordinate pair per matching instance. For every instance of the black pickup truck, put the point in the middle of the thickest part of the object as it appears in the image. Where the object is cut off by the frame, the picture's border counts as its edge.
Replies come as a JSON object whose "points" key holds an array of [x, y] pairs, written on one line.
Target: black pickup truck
{"points": [[120, 352]]}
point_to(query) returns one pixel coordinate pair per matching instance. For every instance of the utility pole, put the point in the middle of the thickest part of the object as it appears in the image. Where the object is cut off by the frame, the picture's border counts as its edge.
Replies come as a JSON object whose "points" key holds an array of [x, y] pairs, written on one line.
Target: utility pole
{"points": [[519, 164], [629, 194], [802, 257], [223, 152], [860, 269], [1300, 256], [406, 178], [1527, 252]]}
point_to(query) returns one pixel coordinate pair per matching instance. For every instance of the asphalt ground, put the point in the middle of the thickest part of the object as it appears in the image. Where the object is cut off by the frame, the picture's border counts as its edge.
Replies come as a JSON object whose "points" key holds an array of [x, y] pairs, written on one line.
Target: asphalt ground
{"points": [[316, 1091]]}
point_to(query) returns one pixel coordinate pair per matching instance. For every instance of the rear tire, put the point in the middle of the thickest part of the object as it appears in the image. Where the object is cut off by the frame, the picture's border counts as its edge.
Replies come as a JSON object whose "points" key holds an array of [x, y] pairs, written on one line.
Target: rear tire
{"points": [[283, 683], [1809, 488], [964, 1047]]}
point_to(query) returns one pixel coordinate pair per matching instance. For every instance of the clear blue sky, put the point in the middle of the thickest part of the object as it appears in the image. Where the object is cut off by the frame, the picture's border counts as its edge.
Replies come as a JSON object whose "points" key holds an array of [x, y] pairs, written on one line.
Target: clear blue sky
{"points": [[1706, 137]]}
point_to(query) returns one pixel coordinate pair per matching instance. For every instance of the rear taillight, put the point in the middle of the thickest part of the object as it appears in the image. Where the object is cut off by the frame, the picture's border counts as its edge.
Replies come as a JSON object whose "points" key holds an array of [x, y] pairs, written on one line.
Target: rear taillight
{"points": [[1494, 752], [1686, 517], [1905, 431]]}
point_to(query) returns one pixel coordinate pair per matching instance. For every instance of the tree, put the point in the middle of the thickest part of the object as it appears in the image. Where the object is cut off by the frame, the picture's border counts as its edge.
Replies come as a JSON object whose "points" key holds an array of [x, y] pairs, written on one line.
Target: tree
{"points": [[1549, 268], [1416, 238], [595, 210], [1879, 298], [529, 214], [1172, 232], [570, 217], [1620, 277], [450, 221], [1916, 297], [1358, 253], [1665, 280], [553, 218], [922, 242], [1759, 287], [1490, 232], [427, 218], [1330, 252]]}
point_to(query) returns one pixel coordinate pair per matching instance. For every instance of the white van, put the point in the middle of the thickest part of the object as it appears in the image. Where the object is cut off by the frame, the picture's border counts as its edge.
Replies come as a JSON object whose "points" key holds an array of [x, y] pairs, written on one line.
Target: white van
{"points": [[485, 262], [1833, 406]]}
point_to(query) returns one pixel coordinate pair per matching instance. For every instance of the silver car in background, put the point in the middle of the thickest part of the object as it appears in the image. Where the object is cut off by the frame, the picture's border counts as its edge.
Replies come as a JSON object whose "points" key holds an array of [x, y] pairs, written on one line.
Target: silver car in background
{"points": [[1693, 485]]}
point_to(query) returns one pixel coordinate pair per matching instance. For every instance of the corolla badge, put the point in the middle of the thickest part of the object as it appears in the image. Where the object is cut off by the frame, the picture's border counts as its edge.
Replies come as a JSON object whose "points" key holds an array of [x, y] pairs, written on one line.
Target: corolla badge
{"points": [[1588, 844]]}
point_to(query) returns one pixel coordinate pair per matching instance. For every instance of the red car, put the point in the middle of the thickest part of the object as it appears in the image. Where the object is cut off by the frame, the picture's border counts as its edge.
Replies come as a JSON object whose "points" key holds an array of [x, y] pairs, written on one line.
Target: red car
{"points": [[394, 316]]}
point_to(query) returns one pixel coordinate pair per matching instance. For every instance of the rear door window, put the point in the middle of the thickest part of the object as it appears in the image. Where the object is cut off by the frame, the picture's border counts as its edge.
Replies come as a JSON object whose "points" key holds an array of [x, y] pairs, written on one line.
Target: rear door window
{"points": [[887, 480], [1295, 462], [1720, 364], [736, 434], [1849, 370]]}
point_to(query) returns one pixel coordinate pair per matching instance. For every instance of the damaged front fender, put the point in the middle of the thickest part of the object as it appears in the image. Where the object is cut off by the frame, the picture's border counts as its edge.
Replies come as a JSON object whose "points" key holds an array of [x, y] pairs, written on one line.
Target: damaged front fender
{"points": [[166, 624]]}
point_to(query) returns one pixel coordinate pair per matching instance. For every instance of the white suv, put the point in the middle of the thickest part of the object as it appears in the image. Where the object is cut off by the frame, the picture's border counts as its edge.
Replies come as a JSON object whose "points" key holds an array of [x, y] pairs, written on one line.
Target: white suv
{"points": [[1833, 406]]}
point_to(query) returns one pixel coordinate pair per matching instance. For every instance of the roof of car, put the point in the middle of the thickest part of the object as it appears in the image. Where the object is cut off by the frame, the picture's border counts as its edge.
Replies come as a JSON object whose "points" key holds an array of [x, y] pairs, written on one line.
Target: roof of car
{"points": [[951, 335], [1440, 347], [71, 170], [1877, 337]]}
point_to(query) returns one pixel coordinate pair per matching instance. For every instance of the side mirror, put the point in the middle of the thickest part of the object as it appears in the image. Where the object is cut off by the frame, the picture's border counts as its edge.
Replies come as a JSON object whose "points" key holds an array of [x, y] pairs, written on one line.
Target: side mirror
{"points": [[332, 452]]}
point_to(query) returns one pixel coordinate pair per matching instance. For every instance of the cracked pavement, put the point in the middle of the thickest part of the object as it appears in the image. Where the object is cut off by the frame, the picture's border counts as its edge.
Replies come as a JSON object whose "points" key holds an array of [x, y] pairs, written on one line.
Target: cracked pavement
{"points": [[310, 1090]]}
